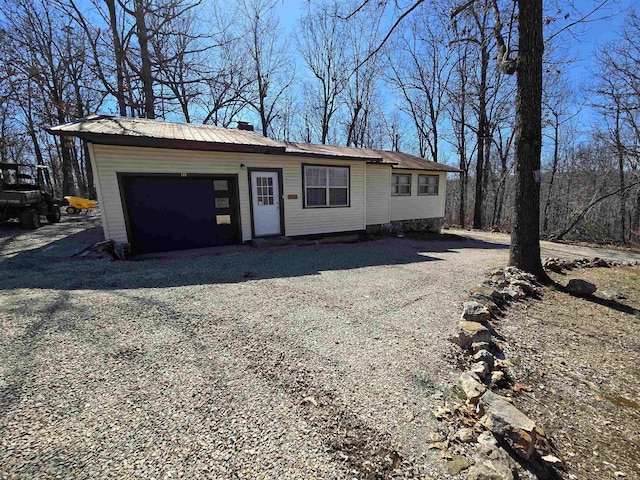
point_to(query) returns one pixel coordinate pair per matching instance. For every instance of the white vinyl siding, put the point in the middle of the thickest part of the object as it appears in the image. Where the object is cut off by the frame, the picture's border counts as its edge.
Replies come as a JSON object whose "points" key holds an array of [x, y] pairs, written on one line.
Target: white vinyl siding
{"points": [[109, 160], [419, 206], [378, 194]]}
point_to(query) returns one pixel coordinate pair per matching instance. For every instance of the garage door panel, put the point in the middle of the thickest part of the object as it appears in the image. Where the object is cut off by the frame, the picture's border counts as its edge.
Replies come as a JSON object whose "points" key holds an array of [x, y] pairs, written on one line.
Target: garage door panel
{"points": [[174, 213]]}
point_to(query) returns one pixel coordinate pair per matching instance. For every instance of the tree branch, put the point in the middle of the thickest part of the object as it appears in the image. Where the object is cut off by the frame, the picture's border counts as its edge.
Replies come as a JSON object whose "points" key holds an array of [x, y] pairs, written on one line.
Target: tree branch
{"points": [[390, 32], [581, 214]]}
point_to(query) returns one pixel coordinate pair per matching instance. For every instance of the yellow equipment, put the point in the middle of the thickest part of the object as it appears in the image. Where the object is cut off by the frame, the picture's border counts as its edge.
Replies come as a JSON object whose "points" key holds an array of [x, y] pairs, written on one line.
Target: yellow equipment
{"points": [[77, 204]]}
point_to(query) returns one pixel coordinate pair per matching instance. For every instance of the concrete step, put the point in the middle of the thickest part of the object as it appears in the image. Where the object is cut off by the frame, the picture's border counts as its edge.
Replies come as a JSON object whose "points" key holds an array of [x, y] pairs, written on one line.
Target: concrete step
{"points": [[270, 242]]}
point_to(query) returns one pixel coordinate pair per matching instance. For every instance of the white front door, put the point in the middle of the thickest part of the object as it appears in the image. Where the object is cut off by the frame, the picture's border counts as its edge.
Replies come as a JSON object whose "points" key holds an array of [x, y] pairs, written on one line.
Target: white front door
{"points": [[266, 203]]}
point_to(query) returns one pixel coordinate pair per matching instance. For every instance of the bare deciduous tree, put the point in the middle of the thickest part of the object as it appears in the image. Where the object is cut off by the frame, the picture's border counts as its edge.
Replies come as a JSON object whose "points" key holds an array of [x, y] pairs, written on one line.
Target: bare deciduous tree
{"points": [[272, 66], [322, 46], [421, 66]]}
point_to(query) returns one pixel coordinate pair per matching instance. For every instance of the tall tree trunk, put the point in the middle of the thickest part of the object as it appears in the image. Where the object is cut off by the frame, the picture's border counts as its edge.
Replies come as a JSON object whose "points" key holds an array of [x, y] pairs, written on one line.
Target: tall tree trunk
{"points": [[525, 236], [91, 186], [464, 179], [486, 171], [3, 138], [146, 76], [31, 128], [325, 119], [482, 138], [554, 169], [68, 186], [82, 172], [119, 57], [77, 171], [66, 143], [462, 143], [262, 88], [623, 192], [351, 131], [500, 192], [636, 222], [498, 218]]}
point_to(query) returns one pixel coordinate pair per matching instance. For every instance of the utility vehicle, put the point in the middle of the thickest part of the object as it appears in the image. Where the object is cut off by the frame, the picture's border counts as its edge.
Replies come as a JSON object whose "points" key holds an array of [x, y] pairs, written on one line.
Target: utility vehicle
{"points": [[26, 193]]}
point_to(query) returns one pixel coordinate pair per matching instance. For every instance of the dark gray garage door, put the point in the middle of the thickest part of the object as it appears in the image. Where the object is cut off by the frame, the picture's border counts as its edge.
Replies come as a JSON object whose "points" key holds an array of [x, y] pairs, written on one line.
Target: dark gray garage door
{"points": [[166, 212]]}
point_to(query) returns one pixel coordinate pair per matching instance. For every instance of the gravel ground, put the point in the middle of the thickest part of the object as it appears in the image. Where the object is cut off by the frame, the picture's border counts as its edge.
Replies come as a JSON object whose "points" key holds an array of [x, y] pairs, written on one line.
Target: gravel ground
{"points": [[72, 234], [300, 362], [553, 249]]}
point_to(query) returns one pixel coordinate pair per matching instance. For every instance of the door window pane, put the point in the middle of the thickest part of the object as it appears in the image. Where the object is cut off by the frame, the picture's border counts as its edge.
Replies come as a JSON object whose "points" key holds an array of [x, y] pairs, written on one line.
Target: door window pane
{"points": [[265, 191]]}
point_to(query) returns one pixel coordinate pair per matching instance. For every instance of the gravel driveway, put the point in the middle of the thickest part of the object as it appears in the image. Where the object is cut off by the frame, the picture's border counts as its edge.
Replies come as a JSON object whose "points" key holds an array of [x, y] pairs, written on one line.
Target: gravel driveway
{"points": [[300, 362], [552, 249]]}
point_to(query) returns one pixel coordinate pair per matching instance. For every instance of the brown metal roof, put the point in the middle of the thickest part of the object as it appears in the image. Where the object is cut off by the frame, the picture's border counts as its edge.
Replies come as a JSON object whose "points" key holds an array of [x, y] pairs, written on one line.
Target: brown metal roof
{"points": [[411, 162], [317, 150], [156, 133], [395, 159], [143, 131]]}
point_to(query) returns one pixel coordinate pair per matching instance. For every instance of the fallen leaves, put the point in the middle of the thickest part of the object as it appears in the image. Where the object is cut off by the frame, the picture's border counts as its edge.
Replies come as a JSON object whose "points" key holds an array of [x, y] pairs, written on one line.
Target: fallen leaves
{"points": [[521, 387], [437, 446]]}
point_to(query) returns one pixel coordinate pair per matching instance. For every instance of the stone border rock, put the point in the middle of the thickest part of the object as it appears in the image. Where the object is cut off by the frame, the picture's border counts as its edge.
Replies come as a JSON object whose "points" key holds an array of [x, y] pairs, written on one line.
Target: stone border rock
{"points": [[505, 437], [558, 265], [501, 431]]}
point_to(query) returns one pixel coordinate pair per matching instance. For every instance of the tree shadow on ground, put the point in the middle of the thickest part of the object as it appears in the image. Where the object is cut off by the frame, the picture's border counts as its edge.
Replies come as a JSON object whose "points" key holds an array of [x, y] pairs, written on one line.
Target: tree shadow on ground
{"points": [[612, 304], [34, 269], [45, 240]]}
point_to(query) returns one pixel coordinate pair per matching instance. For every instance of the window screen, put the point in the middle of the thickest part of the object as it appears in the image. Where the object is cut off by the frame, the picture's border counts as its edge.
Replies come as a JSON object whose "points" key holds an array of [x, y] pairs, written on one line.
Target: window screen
{"points": [[428, 184], [326, 186], [400, 185]]}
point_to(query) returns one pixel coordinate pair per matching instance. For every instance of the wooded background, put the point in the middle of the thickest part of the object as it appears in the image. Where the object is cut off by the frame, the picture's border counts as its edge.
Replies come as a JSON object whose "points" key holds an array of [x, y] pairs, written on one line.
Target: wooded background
{"points": [[434, 88]]}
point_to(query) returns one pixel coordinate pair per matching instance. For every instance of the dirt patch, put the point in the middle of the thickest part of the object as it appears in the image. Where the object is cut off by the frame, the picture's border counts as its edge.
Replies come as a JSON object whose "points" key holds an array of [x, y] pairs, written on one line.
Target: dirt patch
{"points": [[580, 357], [367, 451]]}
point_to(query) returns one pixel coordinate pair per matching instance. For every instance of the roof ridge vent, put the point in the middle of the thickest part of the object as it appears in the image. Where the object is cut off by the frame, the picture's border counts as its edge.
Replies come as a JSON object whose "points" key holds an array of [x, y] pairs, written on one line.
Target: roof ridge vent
{"points": [[246, 126]]}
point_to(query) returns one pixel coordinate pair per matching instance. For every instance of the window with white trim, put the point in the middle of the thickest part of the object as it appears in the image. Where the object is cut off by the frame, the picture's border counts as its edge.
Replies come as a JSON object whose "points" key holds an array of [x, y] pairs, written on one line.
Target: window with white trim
{"points": [[400, 184], [428, 184], [325, 186]]}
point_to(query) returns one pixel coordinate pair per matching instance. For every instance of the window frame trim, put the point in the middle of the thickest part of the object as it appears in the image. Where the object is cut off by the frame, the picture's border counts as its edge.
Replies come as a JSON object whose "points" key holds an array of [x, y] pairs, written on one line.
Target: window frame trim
{"points": [[410, 175], [304, 186], [428, 194]]}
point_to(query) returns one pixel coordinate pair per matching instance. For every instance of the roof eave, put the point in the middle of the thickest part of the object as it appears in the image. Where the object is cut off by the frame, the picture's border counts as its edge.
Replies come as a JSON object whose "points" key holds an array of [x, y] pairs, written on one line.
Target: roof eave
{"points": [[328, 156], [381, 162], [151, 142], [447, 169], [176, 144]]}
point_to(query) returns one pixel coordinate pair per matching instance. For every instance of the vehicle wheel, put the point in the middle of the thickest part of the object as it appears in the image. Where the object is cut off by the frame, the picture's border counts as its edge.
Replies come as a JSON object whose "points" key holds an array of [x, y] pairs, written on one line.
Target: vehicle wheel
{"points": [[30, 219], [54, 216], [71, 210]]}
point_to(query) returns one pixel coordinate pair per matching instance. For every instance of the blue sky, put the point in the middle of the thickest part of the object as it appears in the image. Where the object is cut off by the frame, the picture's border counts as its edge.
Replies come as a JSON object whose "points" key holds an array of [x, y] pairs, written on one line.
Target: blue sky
{"points": [[581, 42]]}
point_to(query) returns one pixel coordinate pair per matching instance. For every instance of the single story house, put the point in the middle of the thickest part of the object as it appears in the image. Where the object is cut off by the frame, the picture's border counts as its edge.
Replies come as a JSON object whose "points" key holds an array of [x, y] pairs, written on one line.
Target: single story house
{"points": [[169, 186]]}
